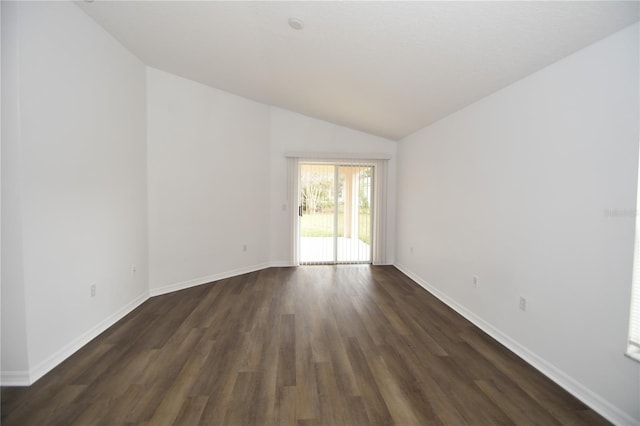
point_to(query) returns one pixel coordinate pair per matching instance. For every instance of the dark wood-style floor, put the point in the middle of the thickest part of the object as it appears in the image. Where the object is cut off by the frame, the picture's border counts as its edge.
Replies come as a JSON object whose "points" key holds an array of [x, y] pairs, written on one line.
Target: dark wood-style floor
{"points": [[318, 345]]}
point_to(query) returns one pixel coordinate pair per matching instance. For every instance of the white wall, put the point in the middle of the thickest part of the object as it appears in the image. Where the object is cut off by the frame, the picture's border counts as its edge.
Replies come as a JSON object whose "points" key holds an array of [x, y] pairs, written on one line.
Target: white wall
{"points": [[13, 315], [292, 132], [514, 189], [108, 164], [208, 174], [225, 155], [77, 181]]}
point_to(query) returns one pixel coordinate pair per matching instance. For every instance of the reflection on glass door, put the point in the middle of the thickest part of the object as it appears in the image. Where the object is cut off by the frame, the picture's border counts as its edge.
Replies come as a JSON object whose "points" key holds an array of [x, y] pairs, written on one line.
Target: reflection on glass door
{"points": [[335, 213]]}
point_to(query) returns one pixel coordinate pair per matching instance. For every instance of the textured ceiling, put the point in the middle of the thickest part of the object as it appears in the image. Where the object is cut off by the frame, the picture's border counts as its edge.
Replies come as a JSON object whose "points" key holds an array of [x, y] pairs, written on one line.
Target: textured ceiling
{"points": [[387, 68]]}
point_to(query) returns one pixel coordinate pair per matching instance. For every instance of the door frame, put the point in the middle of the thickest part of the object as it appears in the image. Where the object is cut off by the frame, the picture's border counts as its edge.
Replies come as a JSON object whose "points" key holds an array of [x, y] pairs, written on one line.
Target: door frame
{"points": [[381, 163], [336, 217]]}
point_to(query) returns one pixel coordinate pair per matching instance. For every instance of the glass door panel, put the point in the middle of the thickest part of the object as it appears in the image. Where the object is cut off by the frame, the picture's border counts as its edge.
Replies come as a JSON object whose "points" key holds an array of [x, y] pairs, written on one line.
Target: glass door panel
{"points": [[354, 214], [317, 213], [335, 213]]}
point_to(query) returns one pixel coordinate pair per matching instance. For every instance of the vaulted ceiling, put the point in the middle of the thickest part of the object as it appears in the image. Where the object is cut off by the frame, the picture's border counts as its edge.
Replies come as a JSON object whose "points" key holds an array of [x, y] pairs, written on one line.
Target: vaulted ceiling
{"points": [[387, 68]]}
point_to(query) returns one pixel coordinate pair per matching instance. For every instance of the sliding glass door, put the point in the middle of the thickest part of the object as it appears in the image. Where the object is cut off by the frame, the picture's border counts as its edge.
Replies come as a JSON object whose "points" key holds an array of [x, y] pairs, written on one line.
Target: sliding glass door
{"points": [[335, 213]]}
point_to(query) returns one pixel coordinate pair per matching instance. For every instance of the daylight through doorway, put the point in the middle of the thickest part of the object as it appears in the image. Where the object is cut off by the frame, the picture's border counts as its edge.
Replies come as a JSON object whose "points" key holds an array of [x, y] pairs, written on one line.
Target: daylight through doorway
{"points": [[335, 213]]}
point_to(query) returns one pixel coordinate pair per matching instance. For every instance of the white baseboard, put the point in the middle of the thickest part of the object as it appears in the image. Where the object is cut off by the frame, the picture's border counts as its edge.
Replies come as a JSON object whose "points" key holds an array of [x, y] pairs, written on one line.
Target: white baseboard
{"points": [[584, 394], [15, 378], [207, 279], [24, 378], [593, 400]]}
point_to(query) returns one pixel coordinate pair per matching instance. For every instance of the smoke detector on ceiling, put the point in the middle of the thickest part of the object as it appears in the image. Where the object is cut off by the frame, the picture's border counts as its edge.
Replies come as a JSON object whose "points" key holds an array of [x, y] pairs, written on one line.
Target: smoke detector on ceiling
{"points": [[296, 23]]}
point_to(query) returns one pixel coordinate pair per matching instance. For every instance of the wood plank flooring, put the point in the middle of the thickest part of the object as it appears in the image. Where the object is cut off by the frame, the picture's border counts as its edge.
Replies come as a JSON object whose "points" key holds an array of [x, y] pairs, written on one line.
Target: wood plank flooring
{"points": [[317, 345]]}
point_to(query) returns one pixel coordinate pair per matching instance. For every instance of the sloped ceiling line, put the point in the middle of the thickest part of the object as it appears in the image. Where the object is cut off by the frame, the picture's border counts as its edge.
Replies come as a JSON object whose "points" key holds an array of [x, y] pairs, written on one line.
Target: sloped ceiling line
{"points": [[386, 68]]}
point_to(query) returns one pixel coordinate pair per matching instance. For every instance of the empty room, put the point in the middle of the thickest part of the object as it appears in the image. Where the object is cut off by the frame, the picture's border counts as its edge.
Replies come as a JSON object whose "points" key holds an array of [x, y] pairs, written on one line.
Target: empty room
{"points": [[320, 213]]}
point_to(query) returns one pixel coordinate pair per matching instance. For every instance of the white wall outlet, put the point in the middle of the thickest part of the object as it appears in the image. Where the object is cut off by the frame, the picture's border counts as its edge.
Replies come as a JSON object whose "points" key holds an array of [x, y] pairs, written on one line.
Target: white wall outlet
{"points": [[244, 247], [92, 290], [523, 304], [475, 281], [134, 269]]}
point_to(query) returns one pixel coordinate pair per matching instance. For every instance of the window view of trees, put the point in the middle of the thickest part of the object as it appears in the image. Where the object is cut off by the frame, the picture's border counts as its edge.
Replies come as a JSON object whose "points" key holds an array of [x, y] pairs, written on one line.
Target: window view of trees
{"points": [[318, 201], [317, 191]]}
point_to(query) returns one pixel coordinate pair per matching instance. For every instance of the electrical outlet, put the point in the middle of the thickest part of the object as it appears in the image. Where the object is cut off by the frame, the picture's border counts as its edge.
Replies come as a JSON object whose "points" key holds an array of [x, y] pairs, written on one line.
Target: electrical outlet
{"points": [[475, 281], [523, 304], [134, 269], [92, 290], [244, 247]]}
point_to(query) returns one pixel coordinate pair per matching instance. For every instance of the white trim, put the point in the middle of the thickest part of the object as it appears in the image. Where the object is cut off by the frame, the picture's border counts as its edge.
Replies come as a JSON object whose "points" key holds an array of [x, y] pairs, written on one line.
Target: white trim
{"points": [[27, 378], [293, 182], [596, 402], [15, 378], [584, 394], [379, 246], [23, 378], [337, 156], [206, 279], [379, 197], [633, 352], [633, 340]]}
